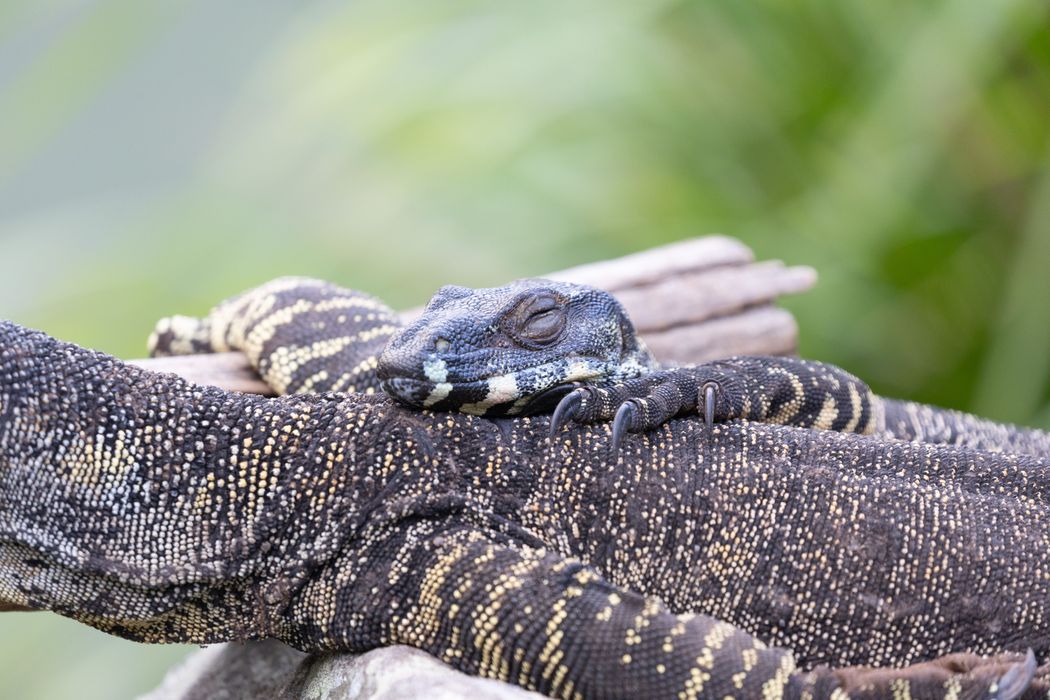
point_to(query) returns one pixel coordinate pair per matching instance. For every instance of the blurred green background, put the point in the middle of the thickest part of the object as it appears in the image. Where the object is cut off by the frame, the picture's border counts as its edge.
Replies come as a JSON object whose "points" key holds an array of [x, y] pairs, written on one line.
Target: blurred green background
{"points": [[156, 157]]}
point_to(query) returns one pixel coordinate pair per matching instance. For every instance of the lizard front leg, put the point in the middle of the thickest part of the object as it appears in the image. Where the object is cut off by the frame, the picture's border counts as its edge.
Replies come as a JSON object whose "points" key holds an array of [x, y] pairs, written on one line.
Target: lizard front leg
{"points": [[780, 390]]}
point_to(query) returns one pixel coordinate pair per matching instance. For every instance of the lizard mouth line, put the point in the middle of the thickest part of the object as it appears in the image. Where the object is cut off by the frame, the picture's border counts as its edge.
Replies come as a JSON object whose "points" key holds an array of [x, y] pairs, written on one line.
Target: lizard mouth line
{"points": [[515, 393]]}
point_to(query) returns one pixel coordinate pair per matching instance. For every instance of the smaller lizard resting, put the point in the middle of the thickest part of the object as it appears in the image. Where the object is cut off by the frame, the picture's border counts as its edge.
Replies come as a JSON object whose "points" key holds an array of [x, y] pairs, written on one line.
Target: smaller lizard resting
{"points": [[534, 346], [513, 350], [520, 348], [510, 350]]}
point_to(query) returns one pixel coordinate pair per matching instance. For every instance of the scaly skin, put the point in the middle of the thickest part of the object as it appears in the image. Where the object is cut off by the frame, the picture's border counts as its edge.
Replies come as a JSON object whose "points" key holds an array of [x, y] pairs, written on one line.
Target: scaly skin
{"points": [[302, 335], [496, 342], [166, 512], [305, 335]]}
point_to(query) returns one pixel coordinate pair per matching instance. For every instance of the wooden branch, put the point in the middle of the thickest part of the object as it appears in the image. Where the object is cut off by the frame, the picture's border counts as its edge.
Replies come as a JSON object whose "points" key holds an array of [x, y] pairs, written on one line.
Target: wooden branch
{"points": [[227, 370], [660, 263], [690, 301], [763, 330], [271, 669], [691, 298]]}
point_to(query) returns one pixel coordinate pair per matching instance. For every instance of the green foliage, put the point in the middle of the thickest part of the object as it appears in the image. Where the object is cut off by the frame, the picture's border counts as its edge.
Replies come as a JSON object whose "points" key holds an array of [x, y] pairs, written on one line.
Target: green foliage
{"points": [[154, 160]]}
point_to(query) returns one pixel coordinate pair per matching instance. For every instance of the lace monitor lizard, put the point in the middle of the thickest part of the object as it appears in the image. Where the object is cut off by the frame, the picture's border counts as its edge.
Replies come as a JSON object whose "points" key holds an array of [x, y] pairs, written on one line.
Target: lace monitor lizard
{"points": [[515, 349], [537, 345], [164, 511]]}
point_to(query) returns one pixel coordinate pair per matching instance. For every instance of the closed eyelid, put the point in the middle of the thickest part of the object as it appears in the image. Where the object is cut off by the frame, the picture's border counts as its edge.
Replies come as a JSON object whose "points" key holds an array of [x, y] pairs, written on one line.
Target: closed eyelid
{"points": [[541, 299]]}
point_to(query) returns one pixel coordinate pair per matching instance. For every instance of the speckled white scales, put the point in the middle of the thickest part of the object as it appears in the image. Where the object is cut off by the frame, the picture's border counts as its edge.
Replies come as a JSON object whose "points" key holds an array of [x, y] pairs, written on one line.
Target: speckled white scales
{"points": [[465, 537]]}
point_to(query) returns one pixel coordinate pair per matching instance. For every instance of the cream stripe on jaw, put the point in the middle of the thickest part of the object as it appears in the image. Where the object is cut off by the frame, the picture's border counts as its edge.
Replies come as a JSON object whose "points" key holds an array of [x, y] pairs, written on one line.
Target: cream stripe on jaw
{"points": [[436, 371], [502, 389]]}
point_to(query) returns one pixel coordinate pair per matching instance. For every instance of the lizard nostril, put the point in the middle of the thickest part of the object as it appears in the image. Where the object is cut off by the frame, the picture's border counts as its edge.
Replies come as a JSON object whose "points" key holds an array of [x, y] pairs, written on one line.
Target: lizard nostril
{"points": [[441, 344]]}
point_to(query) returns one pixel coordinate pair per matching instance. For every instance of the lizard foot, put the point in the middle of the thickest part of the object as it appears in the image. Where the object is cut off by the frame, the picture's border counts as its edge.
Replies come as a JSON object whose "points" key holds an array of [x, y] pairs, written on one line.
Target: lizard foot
{"points": [[637, 415], [775, 390], [647, 402], [1016, 680]]}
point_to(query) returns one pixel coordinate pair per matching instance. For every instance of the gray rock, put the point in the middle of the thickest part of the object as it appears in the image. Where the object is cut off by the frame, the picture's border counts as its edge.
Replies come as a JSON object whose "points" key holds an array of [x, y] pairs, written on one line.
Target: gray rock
{"points": [[271, 669]]}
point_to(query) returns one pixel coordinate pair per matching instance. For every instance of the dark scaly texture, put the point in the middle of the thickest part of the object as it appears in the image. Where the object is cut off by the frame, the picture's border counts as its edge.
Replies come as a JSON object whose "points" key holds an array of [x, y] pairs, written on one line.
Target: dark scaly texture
{"points": [[504, 351], [907, 420], [489, 346], [501, 351], [520, 348], [167, 512]]}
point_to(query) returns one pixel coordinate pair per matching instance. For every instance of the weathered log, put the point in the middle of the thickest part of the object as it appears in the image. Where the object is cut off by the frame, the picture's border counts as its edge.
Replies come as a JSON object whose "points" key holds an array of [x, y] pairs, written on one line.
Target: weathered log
{"points": [[688, 299], [658, 264], [762, 330], [228, 370], [691, 301]]}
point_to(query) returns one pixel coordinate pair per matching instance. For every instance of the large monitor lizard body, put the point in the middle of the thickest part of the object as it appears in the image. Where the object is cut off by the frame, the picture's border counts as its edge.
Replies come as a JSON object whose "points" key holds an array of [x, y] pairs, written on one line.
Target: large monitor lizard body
{"points": [[164, 511]]}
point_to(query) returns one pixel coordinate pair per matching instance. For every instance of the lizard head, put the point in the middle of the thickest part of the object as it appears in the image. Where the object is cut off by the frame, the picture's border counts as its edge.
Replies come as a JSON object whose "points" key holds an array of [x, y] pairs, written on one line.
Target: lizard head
{"points": [[510, 350]]}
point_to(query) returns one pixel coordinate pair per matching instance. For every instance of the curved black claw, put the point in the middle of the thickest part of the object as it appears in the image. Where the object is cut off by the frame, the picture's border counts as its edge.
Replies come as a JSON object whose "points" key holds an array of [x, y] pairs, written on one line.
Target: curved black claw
{"points": [[710, 390], [1016, 680], [543, 401], [621, 423], [566, 410]]}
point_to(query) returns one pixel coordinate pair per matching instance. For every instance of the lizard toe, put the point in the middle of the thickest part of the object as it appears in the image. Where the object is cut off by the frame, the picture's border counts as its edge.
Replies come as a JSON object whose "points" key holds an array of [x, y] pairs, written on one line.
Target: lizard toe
{"points": [[709, 398], [566, 410], [626, 417], [1016, 680]]}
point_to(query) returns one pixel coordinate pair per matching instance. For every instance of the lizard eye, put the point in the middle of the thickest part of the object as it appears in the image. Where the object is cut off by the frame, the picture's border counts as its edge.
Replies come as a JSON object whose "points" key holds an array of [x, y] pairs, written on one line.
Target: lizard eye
{"points": [[544, 326], [538, 319]]}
